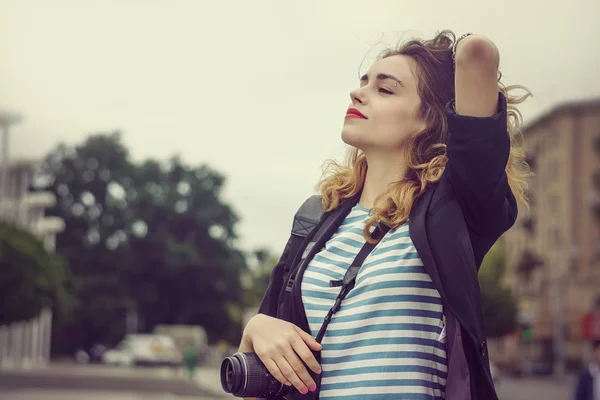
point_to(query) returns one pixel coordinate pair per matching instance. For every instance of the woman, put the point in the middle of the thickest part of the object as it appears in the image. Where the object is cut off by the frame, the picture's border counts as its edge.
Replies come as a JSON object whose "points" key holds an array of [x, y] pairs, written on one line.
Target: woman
{"points": [[433, 158]]}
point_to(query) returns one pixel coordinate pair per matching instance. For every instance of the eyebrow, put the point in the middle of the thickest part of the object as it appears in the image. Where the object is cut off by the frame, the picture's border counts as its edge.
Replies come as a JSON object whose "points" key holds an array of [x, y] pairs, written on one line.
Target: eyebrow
{"points": [[365, 78]]}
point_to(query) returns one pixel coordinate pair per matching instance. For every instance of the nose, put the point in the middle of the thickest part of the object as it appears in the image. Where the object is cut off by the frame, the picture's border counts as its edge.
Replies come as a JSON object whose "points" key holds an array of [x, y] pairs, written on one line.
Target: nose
{"points": [[357, 96]]}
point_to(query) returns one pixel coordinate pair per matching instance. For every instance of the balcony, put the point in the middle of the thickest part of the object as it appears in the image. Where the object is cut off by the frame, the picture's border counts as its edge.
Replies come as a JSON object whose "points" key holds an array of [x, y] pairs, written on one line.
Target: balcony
{"points": [[50, 225], [28, 213], [9, 211], [43, 199]]}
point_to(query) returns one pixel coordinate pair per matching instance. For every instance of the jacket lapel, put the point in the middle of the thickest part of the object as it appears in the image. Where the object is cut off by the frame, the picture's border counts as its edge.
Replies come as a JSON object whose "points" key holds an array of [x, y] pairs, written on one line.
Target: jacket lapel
{"points": [[418, 235]]}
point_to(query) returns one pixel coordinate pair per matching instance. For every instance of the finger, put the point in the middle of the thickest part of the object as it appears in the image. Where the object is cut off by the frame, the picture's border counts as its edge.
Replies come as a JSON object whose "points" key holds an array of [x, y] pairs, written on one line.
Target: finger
{"points": [[275, 371], [299, 368], [306, 355], [309, 340], [289, 373]]}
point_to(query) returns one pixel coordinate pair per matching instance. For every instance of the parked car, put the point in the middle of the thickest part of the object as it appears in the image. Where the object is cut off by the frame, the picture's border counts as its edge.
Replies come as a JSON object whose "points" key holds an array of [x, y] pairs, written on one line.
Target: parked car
{"points": [[144, 349], [91, 356]]}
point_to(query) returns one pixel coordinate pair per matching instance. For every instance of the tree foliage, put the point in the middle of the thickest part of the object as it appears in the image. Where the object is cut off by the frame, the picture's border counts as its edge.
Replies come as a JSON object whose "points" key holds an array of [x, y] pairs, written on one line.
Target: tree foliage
{"points": [[498, 303], [152, 238], [31, 277], [257, 279]]}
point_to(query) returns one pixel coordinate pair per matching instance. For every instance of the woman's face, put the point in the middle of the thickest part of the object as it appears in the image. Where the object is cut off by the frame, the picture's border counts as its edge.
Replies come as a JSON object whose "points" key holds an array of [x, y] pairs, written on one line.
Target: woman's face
{"points": [[389, 102]]}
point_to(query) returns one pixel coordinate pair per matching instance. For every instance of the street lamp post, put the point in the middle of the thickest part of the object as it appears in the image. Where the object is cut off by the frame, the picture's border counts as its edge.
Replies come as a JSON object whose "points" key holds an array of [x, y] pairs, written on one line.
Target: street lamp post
{"points": [[559, 337], [561, 283]]}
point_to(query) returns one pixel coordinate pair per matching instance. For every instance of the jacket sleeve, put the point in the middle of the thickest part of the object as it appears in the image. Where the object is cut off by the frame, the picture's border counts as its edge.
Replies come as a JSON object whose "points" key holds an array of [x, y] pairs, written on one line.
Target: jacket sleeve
{"points": [[478, 150], [270, 299]]}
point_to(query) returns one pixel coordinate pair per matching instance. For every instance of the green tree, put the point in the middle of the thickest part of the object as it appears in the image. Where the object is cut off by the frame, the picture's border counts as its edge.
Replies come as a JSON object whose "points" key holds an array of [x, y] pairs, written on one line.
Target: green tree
{"points": [[498, 303], [152, 238], [256, 279], [31, 277], [186, 267]]}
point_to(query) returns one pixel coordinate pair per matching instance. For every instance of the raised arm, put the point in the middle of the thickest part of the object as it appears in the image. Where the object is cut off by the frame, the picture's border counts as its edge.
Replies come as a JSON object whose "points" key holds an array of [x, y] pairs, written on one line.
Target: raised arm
{"points": [[476, 74], [478, 145]]}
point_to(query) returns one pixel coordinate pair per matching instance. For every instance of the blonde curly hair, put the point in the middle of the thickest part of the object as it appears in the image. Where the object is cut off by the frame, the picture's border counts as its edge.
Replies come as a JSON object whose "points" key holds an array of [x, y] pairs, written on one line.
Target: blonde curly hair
{"points": [[425, 152]]}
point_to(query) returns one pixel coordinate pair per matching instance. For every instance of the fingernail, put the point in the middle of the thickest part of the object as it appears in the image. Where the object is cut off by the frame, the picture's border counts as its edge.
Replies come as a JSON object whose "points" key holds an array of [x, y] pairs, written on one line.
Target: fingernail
{"points": [[304, 391], [319, 371], [313, 388]]}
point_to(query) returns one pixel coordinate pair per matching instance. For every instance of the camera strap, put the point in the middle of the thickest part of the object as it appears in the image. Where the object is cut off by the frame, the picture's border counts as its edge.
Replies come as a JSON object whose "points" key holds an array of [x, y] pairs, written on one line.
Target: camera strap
{"points": [[349, 280]]}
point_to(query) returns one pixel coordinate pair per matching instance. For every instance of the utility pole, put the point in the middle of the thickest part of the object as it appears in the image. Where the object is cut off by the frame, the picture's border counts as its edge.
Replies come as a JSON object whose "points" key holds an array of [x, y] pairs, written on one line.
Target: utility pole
{"points": [[7, 119]]}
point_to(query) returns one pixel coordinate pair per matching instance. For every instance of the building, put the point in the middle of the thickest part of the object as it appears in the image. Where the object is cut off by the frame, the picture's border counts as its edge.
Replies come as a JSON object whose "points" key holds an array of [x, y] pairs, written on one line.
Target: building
{"points": [[27, 342], [24, 208], [554, 250]]}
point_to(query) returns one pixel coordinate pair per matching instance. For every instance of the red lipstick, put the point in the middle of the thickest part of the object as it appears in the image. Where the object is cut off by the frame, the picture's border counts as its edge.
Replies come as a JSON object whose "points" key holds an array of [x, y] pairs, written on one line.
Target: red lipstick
{"points": [[354, 113]]}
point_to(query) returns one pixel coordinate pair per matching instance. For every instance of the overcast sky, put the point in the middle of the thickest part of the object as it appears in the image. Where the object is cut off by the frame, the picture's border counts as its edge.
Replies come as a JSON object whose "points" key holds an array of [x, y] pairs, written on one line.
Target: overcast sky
{"points": [[256, 89]]}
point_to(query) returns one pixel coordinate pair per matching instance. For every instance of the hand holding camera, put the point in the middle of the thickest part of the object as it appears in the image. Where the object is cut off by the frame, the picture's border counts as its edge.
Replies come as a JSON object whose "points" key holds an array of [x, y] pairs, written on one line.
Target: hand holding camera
{"points": [[281, 352]]}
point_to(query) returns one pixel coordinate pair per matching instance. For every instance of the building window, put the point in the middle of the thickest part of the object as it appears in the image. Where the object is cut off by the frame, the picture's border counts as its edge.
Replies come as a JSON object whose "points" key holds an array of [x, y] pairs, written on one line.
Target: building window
{"points": [[554, 169], [531, 160], [556, 237], [553, 203], [529, 225]]}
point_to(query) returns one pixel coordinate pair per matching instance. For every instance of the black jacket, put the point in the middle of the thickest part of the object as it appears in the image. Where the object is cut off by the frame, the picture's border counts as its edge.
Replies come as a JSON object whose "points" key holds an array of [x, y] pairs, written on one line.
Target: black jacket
{"points": [[452, 225]]}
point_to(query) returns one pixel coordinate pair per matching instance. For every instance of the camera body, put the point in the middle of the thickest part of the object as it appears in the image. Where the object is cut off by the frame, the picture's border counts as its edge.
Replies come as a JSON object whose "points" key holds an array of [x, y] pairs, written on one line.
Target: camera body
{"points": [[244, 375]]}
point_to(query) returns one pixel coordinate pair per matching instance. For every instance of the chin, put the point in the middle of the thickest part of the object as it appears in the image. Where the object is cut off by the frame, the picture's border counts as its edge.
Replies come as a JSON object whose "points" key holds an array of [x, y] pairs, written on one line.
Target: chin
{"points": [[353, 138]]}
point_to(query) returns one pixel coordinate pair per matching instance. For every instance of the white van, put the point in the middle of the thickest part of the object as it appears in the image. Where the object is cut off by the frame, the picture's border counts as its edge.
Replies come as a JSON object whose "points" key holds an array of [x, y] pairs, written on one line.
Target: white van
{"points": [[144, 349]]}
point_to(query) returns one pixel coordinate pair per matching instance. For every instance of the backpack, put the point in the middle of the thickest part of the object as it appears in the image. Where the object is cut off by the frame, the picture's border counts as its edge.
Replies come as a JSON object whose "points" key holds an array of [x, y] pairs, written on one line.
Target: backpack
{"points": [[306, 219]]}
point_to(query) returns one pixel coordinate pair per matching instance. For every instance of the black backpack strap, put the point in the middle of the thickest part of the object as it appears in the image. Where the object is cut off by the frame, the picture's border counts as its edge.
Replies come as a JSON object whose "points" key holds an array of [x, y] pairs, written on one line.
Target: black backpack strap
{"points": [[349, 280], [307, 216], [307, 220]]}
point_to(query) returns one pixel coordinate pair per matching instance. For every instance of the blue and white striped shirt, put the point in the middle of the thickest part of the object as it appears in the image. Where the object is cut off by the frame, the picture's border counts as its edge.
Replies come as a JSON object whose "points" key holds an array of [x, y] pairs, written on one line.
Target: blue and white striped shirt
{"points": [[387, 341]]}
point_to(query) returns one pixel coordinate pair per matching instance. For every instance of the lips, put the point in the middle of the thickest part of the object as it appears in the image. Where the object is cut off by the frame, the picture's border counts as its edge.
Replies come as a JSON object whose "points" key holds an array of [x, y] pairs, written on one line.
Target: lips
{"points": [[354, 113]]}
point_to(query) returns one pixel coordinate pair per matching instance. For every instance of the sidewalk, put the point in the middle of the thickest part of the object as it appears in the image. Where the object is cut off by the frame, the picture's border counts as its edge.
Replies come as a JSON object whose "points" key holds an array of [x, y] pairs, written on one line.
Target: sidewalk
{"points": [[209, 379], [546, 388]]}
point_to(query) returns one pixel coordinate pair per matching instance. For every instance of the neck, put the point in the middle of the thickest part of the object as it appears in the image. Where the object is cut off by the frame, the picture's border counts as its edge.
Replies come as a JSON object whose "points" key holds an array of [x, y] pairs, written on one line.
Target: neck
{"points": [[381, 172]]}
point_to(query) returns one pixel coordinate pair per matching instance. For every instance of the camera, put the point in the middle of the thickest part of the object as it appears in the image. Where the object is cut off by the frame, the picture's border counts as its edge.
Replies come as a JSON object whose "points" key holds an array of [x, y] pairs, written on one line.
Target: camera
{"points": [[244, 375]]}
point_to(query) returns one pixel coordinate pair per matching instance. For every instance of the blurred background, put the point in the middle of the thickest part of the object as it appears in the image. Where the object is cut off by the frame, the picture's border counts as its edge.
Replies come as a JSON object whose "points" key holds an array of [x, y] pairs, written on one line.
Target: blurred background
{"points": [[153, 154]]}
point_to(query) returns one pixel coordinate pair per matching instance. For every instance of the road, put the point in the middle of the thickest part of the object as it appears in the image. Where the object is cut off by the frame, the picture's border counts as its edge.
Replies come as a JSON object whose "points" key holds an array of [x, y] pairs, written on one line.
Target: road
{"points": [[70, 394], [91, 382]]}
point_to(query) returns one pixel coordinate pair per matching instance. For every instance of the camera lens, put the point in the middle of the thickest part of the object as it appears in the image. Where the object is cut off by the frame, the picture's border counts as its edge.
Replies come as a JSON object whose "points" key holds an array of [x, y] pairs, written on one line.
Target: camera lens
{"points": [[232, 375], [244, 375]]}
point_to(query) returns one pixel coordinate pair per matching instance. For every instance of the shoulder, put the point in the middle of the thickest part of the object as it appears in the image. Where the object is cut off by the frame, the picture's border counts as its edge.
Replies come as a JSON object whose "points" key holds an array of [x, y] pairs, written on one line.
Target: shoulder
{"points": [[435, 195], [312, 208]]}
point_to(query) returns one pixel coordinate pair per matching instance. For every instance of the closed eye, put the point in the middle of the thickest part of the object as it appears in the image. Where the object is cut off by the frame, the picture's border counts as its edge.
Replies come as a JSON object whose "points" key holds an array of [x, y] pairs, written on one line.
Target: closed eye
{"points": [[383, 90]]}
